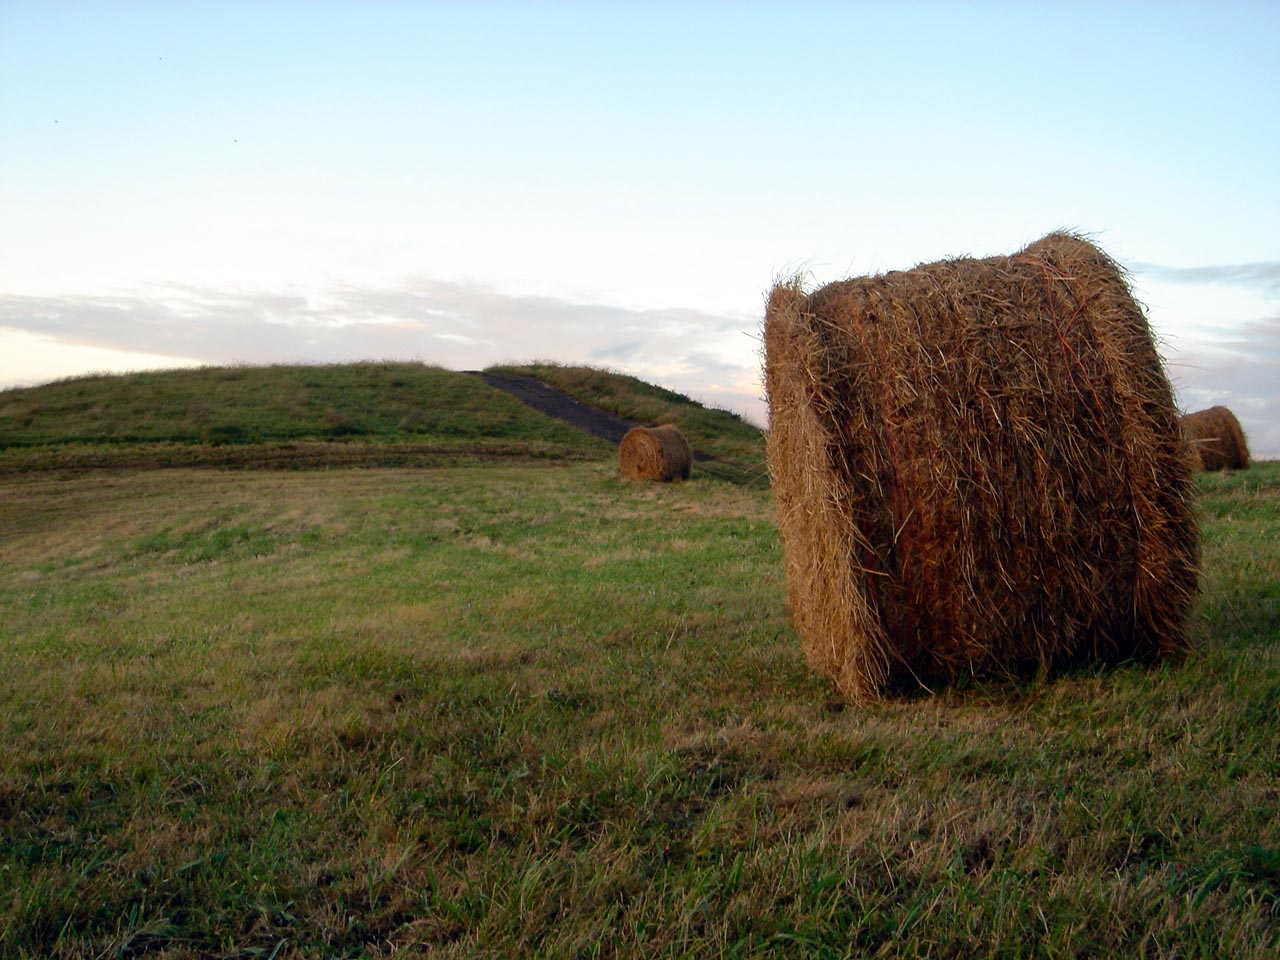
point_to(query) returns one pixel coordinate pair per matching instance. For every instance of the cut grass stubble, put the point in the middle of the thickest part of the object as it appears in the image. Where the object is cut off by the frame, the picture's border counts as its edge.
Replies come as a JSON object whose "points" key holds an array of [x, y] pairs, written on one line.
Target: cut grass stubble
{"points": [[524, 709]]}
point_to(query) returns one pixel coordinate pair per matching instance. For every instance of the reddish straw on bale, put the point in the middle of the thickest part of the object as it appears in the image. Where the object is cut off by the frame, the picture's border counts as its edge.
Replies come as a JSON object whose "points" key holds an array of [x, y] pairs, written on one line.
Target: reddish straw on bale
{"points": [[1217, 439], [655, 453], [978, 470]]}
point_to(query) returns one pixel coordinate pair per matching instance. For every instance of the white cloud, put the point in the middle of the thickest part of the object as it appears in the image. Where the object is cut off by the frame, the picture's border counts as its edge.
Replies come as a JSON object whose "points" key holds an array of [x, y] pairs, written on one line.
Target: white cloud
{"points": [[27, 359], [1263, 275], [1233, 358], [1223, 340], [1242, 373], [462, 326]]}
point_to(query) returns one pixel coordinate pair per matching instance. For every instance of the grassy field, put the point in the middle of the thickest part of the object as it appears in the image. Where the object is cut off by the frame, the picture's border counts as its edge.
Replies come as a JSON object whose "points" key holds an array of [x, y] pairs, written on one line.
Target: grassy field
{"points": [[526, 709]]}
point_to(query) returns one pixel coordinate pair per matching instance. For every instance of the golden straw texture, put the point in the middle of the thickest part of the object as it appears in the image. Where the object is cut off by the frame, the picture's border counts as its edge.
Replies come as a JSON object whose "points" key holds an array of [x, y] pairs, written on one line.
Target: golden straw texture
{"points": [[978, 469], [655, 453], [1217, 439]]}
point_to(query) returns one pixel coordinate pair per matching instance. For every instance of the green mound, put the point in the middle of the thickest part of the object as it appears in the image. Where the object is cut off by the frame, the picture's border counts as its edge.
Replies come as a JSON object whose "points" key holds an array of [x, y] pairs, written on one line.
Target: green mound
{"points": [[249, 405], [308, 415]]}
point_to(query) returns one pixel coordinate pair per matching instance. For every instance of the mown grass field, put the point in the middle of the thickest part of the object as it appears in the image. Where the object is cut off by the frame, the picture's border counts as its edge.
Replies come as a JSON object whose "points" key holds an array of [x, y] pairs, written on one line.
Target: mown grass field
{"points": [[530, 709], [524, 708]]}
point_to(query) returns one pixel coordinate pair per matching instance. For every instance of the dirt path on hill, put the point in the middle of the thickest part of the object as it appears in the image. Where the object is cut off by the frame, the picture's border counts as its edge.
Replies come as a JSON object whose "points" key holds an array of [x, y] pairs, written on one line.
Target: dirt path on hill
{"points": [[552, 402], [599, 423]]}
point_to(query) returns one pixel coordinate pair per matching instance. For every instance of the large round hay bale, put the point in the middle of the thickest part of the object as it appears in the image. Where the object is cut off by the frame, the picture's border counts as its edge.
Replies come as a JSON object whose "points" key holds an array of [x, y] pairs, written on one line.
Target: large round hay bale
{"points": [[655, 453], [978, 470], [1217, 439]]}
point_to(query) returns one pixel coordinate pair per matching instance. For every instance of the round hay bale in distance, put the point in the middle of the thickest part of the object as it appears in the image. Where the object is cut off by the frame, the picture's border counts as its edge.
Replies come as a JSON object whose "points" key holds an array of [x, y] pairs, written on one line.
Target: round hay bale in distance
{"points": [[978, 470], [655, 453], [1217, 439]]}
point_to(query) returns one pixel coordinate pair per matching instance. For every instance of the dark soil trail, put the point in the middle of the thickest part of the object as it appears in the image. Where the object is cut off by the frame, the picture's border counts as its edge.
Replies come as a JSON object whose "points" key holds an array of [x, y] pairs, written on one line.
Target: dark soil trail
{"points": [[607, 426], [552, 402]]}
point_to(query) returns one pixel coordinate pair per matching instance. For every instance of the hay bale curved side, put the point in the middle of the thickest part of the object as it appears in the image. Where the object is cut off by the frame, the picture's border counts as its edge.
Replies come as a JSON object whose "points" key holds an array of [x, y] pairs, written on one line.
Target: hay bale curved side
{"points": [[1217, 439], [655, 453], [978, 470]]}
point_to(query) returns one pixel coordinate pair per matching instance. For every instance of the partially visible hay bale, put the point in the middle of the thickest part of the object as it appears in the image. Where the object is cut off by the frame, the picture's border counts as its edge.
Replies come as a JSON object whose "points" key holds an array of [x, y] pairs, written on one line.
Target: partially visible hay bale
{"points": [[1217, 439], [978, 470], [655, 453]]}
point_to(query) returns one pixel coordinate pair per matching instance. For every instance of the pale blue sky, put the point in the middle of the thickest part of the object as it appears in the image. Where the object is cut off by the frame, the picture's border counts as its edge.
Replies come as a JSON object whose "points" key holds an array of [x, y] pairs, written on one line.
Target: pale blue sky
{"points": [[617, 183]]}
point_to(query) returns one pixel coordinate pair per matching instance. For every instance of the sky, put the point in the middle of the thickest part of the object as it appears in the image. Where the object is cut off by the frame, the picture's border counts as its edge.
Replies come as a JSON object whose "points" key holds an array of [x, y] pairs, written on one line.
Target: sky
{"points": [[616, 183]]}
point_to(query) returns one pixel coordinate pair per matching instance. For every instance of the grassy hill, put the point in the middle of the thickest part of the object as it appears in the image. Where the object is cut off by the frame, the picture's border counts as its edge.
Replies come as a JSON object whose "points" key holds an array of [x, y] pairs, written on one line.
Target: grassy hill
{"points": [[386, 413], [221, 405]]}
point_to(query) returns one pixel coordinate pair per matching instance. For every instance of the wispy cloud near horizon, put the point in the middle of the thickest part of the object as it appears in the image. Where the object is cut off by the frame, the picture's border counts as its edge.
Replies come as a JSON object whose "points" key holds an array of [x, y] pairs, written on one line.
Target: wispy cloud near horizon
{"points": [[1262, 276], [1242, 373], [714, 358], [461, 326], [1228, 349]]}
